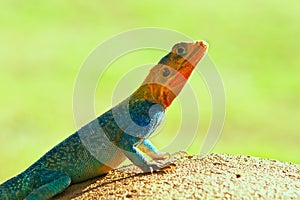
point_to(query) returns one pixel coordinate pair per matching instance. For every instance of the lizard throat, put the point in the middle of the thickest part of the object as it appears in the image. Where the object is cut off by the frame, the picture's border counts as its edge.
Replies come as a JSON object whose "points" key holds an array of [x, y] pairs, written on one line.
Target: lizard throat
{"points": [[154, 93]]}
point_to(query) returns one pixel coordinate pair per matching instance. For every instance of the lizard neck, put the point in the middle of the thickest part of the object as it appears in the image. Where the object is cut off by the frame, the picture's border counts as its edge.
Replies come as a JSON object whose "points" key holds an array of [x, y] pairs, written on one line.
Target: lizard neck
{"points": [[144, 107], [155, 93]]}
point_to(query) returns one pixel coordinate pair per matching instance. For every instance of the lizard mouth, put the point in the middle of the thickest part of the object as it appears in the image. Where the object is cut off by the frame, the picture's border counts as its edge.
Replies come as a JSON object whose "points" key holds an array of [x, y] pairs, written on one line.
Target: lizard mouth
{"points": [[199, 51]]}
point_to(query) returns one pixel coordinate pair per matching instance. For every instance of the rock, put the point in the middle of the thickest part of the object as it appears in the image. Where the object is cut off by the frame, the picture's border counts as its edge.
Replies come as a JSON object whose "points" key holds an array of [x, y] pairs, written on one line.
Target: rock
{"points": [[196, 177]]}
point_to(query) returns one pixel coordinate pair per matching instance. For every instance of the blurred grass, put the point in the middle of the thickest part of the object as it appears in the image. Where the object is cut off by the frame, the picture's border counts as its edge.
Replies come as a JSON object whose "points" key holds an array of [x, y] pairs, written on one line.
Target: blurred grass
{"points": [[254, 44]]}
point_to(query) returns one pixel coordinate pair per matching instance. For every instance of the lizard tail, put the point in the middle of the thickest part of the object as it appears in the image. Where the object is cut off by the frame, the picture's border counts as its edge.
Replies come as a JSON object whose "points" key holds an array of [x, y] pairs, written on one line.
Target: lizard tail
{"points": [[16, 187]]}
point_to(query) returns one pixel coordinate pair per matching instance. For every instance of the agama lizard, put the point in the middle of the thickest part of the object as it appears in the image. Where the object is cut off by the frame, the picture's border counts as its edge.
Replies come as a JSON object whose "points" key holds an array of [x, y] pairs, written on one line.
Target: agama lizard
{"points": [[120, 133]]}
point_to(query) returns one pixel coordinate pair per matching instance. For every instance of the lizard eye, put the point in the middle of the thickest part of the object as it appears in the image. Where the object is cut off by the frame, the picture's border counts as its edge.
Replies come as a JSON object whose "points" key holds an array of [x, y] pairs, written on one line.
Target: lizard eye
{"points": [[181, 51], [166, 72]]}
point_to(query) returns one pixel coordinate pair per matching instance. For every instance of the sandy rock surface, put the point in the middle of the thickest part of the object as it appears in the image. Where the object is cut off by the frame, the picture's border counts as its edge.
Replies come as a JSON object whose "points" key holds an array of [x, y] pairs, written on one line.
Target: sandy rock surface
{"points": [[212, 176]]}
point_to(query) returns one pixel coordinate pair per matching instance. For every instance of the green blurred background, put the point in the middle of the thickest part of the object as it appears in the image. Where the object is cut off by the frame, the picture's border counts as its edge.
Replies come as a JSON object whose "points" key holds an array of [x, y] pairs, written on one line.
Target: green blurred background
{"points": [[255, 45]]}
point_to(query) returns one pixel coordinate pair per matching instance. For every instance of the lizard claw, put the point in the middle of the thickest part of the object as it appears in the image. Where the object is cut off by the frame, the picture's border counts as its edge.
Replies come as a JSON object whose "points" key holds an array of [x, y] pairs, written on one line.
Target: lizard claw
{"points": [[168, 168], [179, 153], [169, 165], [160, 166], [162, 156], [164, 159]]}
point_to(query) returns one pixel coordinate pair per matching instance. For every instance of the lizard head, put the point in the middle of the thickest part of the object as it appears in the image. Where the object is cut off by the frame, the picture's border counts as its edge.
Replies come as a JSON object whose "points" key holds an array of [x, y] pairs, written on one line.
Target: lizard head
{"points": [[166, 79]]}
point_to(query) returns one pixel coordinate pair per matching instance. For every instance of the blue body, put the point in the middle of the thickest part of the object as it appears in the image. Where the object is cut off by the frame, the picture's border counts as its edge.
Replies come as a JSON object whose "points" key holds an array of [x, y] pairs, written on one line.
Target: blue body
{"points": [[95, 149]]}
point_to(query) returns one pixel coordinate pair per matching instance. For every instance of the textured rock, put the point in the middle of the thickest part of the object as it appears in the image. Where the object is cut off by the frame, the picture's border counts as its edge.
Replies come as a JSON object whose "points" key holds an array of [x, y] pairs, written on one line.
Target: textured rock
{"points": [[208, 177]]}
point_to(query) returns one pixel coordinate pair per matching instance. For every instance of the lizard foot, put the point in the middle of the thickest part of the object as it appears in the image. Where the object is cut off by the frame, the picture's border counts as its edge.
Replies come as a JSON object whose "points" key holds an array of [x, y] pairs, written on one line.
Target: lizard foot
{"points": [[179, 154], [161, 157], [159, 166], [168, 168]]}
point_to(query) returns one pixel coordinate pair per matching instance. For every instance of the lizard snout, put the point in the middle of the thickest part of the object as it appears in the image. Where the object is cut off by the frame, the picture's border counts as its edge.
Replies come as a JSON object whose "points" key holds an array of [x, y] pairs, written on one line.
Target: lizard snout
{"points": [[203, 44]]}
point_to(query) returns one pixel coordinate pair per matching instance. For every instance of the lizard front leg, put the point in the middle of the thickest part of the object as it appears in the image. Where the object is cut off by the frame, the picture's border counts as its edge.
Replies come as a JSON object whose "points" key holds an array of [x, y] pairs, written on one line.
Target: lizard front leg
{"points": [[161, 157], [135, 155], [149, 149]]}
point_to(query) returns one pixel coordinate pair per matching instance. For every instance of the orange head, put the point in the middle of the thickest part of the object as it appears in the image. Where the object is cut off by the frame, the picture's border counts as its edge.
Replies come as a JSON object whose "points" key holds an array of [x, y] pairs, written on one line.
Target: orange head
{"points": [[166, 79]]}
